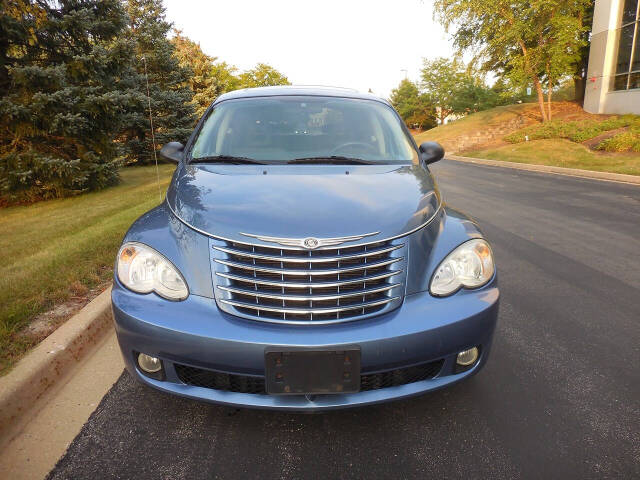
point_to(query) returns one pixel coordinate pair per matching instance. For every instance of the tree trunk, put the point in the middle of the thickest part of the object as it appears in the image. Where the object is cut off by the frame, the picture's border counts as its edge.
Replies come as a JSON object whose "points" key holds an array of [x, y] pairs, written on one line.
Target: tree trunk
{"points": [[580, 76], [538, 87], [549, 91], [536, 79], [579, 84]]}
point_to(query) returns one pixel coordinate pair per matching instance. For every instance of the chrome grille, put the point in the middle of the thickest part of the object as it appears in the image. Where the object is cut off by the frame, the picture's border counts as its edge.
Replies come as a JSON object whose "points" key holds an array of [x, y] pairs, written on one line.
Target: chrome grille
{"points": [[308, 286]]}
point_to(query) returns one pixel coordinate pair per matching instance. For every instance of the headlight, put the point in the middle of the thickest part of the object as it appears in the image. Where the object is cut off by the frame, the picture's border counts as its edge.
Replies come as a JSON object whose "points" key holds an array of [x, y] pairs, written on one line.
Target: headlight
{"points": [[143, 270], [468, 266]]}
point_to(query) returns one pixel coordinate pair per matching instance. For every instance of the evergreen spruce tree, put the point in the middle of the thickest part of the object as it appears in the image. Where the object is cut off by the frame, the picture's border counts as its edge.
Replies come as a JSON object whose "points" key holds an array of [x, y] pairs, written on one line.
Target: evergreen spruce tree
{"points": [[173, 113], [63, 70]]}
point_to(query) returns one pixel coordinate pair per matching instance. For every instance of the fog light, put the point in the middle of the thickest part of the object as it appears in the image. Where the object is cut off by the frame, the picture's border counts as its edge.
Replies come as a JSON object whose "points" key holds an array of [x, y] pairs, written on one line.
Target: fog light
{"points": [[149, 364], [467, 357]]}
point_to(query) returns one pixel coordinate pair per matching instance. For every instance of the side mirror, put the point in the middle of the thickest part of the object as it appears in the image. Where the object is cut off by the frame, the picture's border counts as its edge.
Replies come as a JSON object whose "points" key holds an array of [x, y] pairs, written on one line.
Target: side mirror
{"points": [[431, 152], [172, 151]]}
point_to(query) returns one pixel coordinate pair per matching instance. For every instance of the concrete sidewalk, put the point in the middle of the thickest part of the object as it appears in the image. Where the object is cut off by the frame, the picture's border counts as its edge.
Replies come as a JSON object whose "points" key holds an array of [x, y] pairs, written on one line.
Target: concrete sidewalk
{"points": [[52, 391], [43, 367], [48, 431], [572, 172]]}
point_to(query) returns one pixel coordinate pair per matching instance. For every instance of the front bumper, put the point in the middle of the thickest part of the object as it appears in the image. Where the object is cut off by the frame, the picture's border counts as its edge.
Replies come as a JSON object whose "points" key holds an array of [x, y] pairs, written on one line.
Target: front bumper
{"points": [[196, 333]]}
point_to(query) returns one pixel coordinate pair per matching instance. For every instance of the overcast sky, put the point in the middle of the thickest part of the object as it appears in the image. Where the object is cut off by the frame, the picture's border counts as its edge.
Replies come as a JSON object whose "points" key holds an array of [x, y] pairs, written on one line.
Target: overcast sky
{"points": [[350, 43]]}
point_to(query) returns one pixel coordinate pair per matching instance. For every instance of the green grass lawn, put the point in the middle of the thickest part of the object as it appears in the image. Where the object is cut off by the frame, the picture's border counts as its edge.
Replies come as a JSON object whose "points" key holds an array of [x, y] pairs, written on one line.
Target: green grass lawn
{"points": [[562, 153], [52, 250]]}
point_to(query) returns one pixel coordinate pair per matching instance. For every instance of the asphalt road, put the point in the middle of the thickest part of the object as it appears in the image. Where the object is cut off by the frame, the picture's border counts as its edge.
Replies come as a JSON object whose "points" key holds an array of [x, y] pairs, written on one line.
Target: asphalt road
{"points": [[559, 397]]}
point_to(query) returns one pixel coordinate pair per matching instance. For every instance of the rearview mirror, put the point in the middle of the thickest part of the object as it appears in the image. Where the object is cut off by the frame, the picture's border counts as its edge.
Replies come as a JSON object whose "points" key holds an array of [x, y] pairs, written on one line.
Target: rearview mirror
{"points": [[172, 151], [431, 152]]}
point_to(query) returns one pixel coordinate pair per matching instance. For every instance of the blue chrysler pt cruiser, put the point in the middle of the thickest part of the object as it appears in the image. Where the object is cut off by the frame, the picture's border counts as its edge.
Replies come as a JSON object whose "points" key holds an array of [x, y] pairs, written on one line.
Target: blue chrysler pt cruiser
{"points": [[303, 259]]}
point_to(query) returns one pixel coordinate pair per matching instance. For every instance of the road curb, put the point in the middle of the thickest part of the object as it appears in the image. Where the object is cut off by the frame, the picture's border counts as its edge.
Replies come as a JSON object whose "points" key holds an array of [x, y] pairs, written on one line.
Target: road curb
{"points": [[572, 172], [37, 373]]}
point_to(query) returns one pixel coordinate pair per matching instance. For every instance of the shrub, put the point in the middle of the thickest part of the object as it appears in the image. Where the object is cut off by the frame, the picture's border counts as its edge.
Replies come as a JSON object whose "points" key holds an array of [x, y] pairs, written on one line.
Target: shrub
{"points": [[622, 142], [576, 131]]}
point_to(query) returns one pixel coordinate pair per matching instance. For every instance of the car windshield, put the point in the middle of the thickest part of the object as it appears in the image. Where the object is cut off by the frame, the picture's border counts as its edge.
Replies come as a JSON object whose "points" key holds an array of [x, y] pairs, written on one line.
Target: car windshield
{"points": [[300, 129]]}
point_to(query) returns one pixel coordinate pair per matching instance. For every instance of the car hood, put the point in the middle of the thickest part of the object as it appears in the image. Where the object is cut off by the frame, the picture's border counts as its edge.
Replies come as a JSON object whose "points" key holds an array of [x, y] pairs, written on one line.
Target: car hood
{"points": [[299, 201]]}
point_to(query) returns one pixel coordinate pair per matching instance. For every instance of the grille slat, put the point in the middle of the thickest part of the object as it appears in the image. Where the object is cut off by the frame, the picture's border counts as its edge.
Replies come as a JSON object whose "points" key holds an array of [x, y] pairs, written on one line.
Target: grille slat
{"points": [[318, 298], [305, 272], [294, 285], [303, 311], [341, 283], [309, 259]]}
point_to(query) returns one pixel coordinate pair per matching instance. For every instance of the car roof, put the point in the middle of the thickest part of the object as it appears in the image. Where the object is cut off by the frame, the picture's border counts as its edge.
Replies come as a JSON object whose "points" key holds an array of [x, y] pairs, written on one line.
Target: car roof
{"points": [[292, 90]]}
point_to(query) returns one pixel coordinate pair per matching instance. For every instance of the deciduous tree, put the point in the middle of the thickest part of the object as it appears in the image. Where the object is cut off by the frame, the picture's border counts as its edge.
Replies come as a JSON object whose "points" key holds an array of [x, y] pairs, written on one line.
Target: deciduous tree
{"points": [[455, 88], [527, 41], [262, 75], [441, 79], [210, 78], [580, 72], [414, 107]]}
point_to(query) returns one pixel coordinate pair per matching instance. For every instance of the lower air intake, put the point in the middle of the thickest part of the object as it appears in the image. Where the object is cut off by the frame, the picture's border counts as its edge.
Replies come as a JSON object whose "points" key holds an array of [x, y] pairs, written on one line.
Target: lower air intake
{"points": [[228, 382]]}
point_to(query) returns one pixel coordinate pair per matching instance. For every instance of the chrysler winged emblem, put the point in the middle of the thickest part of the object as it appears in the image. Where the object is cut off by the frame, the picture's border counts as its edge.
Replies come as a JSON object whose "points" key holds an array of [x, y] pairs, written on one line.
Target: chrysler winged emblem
{"points": [[310, 243]]}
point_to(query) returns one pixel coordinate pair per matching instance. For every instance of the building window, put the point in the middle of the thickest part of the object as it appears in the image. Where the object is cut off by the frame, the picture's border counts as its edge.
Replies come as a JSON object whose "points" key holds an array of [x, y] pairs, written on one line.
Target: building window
{"points": [[626, 71]]}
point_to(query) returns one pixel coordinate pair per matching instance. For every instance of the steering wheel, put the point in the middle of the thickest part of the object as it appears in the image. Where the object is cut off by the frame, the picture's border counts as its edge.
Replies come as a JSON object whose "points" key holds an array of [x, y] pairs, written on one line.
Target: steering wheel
{"points": [[368, 146]]}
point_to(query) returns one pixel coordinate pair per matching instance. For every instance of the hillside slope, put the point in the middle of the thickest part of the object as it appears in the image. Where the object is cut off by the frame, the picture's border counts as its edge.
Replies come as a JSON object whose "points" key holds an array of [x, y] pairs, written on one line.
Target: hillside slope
{"points": [[575, 138], [487, 128]]}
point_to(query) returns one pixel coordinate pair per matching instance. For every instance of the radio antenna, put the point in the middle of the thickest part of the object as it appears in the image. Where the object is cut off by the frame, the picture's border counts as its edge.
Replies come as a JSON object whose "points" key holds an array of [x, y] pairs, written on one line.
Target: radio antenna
{"points": [[153, 136]]}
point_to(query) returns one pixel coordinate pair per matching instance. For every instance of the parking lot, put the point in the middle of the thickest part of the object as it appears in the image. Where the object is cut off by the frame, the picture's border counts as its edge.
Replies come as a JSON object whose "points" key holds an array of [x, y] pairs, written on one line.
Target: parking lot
{"points": [[559, 397]]}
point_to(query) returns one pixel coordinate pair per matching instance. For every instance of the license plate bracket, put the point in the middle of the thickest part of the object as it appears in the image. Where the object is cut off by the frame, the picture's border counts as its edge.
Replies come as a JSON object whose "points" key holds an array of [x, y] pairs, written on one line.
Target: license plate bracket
{"points": [[299, 371]]}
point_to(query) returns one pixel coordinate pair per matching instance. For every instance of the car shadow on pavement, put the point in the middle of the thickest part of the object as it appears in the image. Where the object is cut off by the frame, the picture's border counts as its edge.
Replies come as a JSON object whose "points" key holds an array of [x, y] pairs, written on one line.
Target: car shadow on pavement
{"points": [[137, 432]]}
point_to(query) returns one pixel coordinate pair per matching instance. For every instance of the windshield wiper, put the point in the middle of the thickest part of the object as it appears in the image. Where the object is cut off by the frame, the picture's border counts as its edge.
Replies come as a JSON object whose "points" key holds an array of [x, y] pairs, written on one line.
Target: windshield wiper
{"points": [[333, 159], [226, 159]]}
